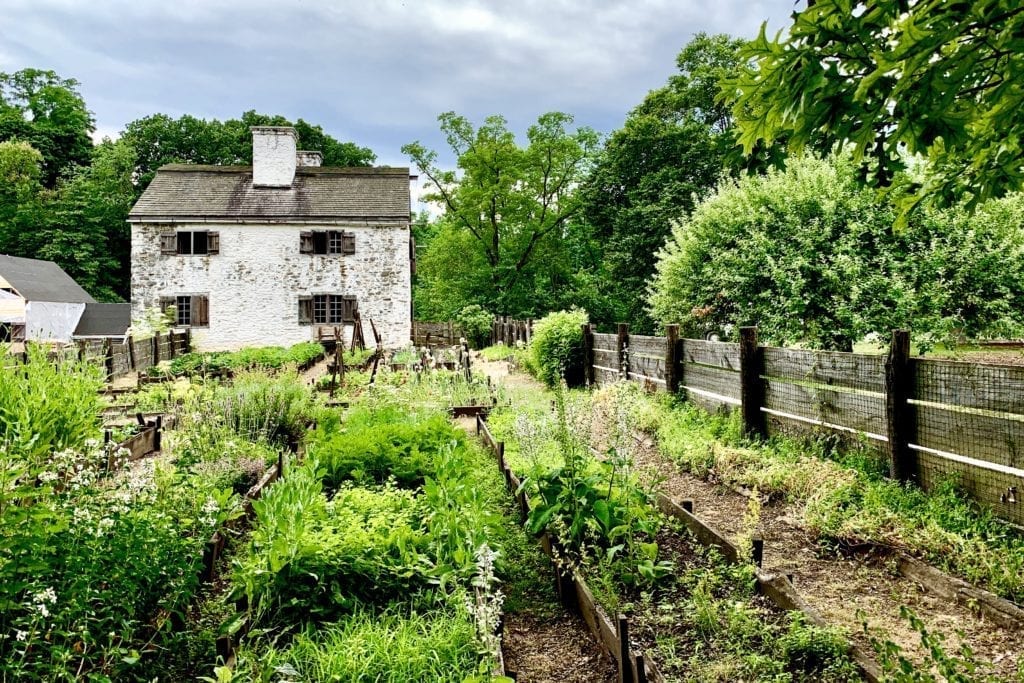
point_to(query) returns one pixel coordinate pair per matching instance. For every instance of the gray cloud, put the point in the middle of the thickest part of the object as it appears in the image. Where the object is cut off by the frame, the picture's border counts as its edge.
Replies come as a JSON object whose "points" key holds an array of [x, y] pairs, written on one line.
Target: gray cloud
{"points": [[377, 73]]}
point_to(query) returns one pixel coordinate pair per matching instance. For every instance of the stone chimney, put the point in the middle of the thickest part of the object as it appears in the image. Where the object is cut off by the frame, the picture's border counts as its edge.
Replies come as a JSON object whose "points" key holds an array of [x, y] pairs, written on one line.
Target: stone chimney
{"points": [[273, 156], [307, 158]]}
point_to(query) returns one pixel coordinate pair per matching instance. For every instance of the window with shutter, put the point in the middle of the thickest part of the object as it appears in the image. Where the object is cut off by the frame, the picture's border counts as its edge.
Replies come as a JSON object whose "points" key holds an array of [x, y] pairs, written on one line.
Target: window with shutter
{"points": [[348, 243], [213, 243], [166, 302], [168, 243], [200, 243], [305, 242], [305, 310], [183, 305], [350, 308], [200, 311], [334, 242], [320, 242]]}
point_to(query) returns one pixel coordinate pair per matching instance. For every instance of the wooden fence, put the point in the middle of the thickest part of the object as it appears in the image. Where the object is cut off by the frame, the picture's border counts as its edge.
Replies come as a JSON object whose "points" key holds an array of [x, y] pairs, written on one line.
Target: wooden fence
{"points": [[932, 418], [508, 331], [435, 334], [134, 355]]}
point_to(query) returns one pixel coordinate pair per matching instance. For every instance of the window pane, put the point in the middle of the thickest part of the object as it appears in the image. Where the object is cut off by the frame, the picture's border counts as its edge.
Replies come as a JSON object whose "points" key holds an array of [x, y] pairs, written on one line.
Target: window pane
{"points": [[334, 238], [184, 306], [199, 243], [337, 309], [320, 309], [184, 243], [320, 242]]}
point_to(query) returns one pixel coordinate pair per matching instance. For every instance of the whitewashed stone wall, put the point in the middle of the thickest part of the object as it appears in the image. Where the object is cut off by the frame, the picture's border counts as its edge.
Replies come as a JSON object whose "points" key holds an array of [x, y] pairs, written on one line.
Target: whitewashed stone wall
{"points": [[254, 284]]}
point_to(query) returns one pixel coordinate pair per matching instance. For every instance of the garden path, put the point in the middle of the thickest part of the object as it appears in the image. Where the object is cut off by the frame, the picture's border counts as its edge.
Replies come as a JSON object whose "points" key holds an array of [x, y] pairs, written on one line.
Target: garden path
{"points": [[849, 591]]}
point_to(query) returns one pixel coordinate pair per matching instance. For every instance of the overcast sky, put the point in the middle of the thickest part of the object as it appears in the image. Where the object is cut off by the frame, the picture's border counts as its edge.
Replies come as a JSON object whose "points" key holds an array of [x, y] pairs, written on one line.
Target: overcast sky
{"points": [[374, 72]]}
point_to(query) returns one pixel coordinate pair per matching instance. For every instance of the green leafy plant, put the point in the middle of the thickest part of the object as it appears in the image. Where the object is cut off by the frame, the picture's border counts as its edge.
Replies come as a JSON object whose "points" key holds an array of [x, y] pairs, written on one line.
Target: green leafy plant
{"points": [[556, 347], [476, 325]]}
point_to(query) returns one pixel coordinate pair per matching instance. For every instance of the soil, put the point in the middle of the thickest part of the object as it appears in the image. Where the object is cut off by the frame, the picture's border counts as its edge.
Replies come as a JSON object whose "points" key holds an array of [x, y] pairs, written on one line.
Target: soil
{"points": [[851, 591], [556, 649], [857, 591]]}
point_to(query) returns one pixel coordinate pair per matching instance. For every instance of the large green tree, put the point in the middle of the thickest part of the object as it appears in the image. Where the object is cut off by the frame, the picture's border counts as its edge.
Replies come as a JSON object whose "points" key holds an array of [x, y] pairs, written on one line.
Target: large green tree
{"points": [[160, 139], [938, 78], [671, 150], [46, 111], [508, 212]]}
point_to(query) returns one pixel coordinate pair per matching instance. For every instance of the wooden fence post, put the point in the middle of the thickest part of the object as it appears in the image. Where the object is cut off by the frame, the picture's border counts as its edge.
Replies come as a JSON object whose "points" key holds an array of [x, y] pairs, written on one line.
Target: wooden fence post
{"points": [[672, 356], [108, 353], [156, 348], [588, 355], [529, 330], [622, 343], [131, 353], [625, 665], [751, 384], [898, 388]]}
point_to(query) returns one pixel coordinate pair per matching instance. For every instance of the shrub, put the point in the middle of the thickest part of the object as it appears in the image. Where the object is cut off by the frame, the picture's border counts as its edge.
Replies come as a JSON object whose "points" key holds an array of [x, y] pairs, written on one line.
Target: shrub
{"points": [[556, 349], [476, 325], [261, 408]]}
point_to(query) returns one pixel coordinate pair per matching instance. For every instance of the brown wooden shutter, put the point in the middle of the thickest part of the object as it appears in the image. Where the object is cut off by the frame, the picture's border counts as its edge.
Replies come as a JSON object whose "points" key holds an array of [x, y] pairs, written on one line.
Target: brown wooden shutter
{"points": [[213, 243], [349, 308], [168, 243], [412, 255], [166, 302], [305, 242], [200, 311], [305, 310], [348, 243]]}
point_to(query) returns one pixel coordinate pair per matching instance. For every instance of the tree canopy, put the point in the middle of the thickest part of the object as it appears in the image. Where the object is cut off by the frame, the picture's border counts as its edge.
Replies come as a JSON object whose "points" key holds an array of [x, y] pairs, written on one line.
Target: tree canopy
{"points": [[507, 212], [47, 112], [671, 150], [160, 139], [893, 78]]}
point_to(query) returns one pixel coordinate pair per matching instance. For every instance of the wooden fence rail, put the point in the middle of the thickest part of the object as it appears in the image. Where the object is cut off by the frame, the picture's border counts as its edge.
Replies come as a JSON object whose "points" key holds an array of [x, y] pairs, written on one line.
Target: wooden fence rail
{"points": [[134, 355], [436, 334], [932, 418]]}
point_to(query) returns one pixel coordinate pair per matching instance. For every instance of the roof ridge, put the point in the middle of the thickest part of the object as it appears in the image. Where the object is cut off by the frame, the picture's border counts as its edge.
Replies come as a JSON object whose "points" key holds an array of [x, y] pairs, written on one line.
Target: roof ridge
{"points": [[300, 170]]}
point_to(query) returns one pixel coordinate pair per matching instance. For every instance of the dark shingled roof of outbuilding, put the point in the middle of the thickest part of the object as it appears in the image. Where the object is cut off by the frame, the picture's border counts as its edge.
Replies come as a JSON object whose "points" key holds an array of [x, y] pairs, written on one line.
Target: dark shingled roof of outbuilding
{"points": [[37, 280], [186, 191], [104, 320]]}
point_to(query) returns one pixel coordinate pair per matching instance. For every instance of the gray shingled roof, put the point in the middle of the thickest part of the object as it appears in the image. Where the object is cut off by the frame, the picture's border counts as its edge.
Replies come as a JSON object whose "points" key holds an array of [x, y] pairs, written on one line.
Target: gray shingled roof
{"points": [[104, 320], [37, 280], [189, 191]]}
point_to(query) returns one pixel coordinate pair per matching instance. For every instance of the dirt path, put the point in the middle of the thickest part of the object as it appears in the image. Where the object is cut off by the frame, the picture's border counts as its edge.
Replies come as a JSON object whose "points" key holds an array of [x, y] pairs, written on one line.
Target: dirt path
{"points": [[848, 592], [542, 643]]}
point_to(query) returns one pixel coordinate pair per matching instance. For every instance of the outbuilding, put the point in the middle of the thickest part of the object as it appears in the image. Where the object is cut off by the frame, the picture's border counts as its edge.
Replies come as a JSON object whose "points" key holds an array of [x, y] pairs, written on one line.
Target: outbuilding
{"points": [[38, 301]]}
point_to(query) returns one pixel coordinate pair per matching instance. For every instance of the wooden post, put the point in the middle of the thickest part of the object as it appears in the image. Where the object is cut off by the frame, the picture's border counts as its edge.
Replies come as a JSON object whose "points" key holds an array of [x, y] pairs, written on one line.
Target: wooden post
{"points": [[622, 343], [451, 334], [158, 434], [625, 666], [588, 355], [898, 389], [156, 348], [641, 669], [672, 356], [757, 550], [751, 384], [529, 330], [131, 353], [108, 352]]}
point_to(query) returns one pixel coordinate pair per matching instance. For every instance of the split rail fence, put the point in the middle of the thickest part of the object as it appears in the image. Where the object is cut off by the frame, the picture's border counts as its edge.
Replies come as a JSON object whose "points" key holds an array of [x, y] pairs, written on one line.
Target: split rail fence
{"points": [[134, 355], [932, 418]]}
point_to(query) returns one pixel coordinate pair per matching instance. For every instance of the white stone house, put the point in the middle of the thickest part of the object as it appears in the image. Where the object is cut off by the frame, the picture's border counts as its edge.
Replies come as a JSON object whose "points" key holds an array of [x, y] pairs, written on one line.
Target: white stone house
{"points": [[38, 301], [275, 253]]}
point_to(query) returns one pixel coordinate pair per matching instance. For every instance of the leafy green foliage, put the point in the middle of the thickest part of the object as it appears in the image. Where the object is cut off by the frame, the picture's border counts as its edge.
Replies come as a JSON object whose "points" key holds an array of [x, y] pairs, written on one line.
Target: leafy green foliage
{"points": [[810, 257], [939, 79], [476, 325], [556, 347], [375, 445], [46, 111], [670, 151], [389, 646], [500, 244], [266, 357], [160, 139], [46, 406], [264, 409]]}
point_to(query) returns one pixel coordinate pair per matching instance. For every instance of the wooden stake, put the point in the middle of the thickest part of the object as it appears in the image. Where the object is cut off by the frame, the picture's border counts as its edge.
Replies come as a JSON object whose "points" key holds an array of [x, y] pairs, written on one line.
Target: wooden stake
{"points": [[751, 384], [898, 412]]}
